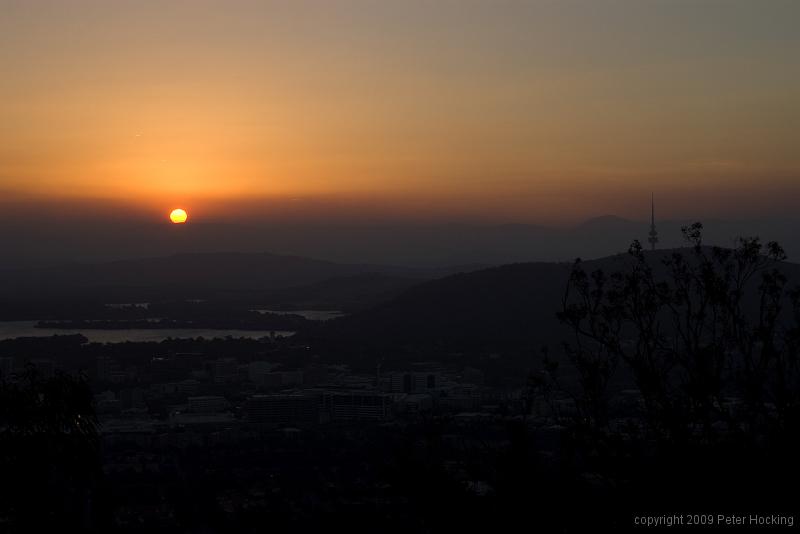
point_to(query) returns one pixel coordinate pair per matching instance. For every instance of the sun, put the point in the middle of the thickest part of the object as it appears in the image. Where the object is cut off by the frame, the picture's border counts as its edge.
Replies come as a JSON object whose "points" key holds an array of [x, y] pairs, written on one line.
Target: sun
{"points": [[178, 216]]}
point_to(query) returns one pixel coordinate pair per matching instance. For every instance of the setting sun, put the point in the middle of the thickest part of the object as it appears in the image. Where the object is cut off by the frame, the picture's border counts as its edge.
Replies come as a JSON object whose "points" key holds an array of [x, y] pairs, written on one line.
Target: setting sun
{"points": [[178, 216]]}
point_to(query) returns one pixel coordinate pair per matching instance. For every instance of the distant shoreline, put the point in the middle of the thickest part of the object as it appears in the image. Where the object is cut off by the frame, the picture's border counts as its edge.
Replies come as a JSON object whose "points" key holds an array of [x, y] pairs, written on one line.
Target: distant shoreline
{"points": [[290, 323]]}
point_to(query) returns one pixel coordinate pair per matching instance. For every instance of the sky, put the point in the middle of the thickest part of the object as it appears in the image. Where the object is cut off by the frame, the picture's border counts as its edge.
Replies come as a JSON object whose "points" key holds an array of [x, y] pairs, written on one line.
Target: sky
{"points": [[495, 111]]}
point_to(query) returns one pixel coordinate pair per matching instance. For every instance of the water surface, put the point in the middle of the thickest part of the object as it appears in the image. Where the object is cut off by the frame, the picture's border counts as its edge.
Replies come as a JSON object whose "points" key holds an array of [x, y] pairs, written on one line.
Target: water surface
{"points": [[12, 329]]}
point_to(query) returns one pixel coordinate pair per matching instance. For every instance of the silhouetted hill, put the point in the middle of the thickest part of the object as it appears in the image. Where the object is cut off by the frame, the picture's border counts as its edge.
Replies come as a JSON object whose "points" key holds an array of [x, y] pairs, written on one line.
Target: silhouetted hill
{"points": [[508, 311], [180, 276], [348, 294], [79, 291], [502, 309]]}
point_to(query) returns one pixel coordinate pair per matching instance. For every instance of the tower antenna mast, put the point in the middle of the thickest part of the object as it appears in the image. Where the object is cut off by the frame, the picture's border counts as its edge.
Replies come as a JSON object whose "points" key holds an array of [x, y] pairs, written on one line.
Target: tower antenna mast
{"points": [[653, 239]]}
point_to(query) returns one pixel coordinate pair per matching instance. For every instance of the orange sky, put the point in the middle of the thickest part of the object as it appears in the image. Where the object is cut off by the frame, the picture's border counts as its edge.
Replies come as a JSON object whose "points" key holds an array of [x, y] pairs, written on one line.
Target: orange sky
{"points": [[542, 111]]}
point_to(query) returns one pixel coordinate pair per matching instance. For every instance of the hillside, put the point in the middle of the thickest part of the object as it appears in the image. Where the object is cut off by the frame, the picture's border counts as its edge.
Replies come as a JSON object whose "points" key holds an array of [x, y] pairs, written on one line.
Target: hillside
{"points": [[345, 293], [214, 275], [503, 309], [509, 311]]}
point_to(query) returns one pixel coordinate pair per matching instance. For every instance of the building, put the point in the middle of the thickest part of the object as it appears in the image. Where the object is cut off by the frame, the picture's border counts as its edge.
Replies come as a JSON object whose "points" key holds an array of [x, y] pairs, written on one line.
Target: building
{"points": [[356, 405], [207, 404], [315, 374], [276, 379], [108, 370], [414, 404], [166, 369], [44, 366], [458, 403], [283, 409], [225, 371], [271, 380], [470, 375], [257, 370], [182, 388], [413, 381], [291, 378]]}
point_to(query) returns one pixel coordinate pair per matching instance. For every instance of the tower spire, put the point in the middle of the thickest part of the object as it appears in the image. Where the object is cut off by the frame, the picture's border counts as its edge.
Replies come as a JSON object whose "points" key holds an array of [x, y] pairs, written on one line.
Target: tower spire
{"points": [[653, 239]]}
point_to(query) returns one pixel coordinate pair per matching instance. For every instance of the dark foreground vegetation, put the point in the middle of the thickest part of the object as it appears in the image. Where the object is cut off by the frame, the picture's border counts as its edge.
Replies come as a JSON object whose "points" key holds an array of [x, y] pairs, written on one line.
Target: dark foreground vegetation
{"points": [[688, 380]]}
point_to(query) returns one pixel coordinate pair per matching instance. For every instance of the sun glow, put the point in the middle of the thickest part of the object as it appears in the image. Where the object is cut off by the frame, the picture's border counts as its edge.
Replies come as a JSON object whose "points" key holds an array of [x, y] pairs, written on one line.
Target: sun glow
{"points": [[178, 216]]}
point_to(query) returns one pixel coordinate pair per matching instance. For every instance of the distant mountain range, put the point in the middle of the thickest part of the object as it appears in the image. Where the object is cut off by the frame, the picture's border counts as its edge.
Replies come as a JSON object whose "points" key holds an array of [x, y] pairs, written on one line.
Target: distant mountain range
{"points": [[419, 254], [280, 281], [197, 276], [409, 245]]}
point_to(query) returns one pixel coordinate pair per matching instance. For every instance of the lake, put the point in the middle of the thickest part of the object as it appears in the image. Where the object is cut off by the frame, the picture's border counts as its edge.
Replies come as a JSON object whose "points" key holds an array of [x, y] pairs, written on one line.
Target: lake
{"points": [[12, 329]]}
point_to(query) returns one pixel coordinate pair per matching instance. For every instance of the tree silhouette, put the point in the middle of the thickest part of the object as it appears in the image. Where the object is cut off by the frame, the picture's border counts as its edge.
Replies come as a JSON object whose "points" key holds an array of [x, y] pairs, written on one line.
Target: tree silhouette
{"points": [[708, 340], [48, 452]]}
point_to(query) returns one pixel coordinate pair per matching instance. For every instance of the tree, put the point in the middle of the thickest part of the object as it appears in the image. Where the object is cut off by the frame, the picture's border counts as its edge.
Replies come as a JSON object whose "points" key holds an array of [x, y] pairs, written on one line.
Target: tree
{"points": [[48, 452], [708, 339]]}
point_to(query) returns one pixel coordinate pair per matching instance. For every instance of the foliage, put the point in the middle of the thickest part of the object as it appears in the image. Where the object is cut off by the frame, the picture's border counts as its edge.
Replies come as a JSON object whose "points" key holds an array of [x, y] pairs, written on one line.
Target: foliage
{"points": [[705, 340], [48, 451]]}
